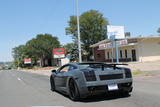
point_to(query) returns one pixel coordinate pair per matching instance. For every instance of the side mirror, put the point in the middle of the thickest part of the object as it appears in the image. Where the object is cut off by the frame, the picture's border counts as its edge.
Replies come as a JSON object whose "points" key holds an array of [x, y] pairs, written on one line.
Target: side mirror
{"points": [[53, 71]]}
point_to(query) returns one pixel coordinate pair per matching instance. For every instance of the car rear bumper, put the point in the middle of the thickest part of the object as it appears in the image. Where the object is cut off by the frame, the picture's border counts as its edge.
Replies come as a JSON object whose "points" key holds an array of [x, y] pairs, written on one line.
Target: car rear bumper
{"points": [[98, 89], [121, 86]]}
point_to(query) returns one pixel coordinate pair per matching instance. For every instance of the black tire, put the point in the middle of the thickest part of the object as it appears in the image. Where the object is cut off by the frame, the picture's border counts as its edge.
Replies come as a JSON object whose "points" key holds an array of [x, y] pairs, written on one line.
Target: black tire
{"points": [[73, 90], [52, 84]]}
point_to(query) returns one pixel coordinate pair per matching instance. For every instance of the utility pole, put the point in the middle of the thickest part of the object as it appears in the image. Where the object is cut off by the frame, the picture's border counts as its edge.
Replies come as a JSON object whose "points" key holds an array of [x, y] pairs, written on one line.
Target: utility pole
{"points": [[78, 32], [117, 52]]}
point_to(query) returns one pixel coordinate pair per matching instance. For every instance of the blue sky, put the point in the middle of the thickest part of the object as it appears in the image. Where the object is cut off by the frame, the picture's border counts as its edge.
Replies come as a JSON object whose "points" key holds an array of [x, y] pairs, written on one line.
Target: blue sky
{"points": [[21, 20]]}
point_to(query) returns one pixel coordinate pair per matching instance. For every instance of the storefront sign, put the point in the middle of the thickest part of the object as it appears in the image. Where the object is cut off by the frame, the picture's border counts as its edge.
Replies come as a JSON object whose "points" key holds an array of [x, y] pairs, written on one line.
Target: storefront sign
{"points": [[59, 53], [111, 44], [27, 60]]}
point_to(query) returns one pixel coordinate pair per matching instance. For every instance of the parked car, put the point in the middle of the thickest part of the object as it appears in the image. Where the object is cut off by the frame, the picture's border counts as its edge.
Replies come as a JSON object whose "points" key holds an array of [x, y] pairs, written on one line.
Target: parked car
{"points": [[80, 80]]}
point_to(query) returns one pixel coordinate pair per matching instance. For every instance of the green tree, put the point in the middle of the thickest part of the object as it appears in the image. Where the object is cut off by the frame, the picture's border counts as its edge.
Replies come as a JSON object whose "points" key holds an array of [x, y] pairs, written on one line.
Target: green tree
{"points": [[41, 47], [71, 50], [19, 55], [158, 31], [127, 34], [68, 48], [93, 28]]}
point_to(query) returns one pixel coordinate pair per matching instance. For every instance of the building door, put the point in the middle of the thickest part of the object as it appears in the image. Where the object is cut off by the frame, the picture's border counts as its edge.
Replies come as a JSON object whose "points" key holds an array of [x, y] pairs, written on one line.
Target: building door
{"points": [[134, 55]]}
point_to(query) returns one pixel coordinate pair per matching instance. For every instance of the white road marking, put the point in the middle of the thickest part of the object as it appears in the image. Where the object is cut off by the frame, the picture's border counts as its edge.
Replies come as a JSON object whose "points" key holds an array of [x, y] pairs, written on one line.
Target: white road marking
{"points": [[18, 78]]}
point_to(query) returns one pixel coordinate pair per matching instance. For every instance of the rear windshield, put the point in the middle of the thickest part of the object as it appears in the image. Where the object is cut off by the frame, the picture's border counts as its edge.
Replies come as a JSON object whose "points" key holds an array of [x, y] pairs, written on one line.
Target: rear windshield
{"points": [[94, 65]]}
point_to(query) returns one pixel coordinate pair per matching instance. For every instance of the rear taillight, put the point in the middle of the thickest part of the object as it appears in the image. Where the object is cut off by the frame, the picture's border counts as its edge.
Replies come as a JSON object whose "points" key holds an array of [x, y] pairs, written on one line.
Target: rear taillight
{"points": [[128, 73], [90, 75]]}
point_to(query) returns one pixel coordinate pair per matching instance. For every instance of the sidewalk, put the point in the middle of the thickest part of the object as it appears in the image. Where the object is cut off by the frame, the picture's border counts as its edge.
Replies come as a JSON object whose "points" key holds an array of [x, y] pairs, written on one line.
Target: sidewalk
{"points": [[41, 71], [144, 66]]}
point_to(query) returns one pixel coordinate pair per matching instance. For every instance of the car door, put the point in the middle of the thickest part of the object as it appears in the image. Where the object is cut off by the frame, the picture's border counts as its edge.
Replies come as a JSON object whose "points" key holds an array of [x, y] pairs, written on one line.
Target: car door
{"points": [[67, 74], [60, 77]]}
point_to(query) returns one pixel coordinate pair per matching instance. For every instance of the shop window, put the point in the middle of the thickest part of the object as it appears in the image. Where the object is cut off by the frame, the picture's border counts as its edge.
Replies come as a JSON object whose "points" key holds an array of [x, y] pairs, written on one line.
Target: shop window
{"points": [[108, 55], [98, 55], [120, 53], [111, 55], [126, 54]]}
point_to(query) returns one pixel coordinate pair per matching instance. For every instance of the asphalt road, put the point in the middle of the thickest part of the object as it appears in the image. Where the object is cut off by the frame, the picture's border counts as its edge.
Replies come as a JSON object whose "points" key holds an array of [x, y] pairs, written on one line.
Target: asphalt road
{"points": [[21, 89]]}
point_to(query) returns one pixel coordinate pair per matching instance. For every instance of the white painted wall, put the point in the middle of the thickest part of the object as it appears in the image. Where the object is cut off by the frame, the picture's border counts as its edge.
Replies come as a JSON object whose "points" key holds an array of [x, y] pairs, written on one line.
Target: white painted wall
{"points": [[64, 61], [149, 50]]}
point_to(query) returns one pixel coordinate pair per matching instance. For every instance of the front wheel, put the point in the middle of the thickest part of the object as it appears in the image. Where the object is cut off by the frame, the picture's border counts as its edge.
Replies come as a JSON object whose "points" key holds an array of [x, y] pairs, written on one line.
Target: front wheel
{"points": [[73, 90], [52, 84]]}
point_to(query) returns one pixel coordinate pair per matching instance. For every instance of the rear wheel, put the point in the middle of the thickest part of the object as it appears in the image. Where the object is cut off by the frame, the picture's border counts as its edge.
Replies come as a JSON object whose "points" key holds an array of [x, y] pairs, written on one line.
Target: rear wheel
{"points": [[52, 84], [73, 90]]}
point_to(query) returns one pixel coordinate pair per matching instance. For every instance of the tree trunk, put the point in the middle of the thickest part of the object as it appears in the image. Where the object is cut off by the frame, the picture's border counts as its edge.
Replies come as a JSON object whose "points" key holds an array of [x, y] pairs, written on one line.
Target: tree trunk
{"points": [[42, 62], [50, 62]]}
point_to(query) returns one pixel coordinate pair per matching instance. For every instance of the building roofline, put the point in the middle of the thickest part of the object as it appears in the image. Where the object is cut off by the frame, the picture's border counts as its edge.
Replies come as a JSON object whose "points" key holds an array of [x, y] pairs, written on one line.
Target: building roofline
{"points": [[129, 38]]}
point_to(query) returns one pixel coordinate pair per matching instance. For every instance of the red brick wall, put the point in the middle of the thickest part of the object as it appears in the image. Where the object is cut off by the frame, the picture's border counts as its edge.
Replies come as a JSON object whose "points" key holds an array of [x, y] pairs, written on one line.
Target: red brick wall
{"points": [[99, 55]]}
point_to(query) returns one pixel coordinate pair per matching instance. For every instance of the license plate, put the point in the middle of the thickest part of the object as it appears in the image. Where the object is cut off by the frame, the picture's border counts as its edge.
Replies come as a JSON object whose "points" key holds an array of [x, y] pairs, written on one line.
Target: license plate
{"points": [[112, 87]]}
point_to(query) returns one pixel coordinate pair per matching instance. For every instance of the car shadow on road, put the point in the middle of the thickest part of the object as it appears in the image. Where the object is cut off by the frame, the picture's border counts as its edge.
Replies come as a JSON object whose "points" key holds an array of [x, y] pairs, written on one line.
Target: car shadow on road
{"points": [[98, 98], [104, 97]]}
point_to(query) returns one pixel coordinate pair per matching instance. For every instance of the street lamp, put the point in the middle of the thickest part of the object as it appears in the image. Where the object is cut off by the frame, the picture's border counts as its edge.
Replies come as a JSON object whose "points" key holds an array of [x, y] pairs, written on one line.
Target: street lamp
{"points": [[78, 30]]}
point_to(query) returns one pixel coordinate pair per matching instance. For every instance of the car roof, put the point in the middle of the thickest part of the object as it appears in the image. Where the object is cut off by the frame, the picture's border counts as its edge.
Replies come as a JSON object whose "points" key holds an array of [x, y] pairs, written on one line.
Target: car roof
{"points": [[76, 64]]}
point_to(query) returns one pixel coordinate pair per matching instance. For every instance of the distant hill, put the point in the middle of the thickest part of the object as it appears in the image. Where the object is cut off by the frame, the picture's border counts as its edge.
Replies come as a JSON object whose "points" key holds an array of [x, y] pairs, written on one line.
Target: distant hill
{"points": [[5, 63], [1, 63]]}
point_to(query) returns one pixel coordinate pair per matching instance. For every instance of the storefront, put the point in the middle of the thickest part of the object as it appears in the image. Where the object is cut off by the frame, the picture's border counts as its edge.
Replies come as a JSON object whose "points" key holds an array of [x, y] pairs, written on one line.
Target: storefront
{"points": [[130, 49]]}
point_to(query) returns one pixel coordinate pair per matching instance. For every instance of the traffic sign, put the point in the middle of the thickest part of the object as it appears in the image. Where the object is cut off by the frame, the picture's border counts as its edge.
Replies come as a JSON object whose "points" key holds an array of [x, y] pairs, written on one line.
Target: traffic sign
{"points": [[115, 32]]}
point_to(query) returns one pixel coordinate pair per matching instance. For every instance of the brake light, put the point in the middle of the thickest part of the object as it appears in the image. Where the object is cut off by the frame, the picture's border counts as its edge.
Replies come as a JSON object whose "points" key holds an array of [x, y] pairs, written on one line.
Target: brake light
{"points": [[90, 75], [128, 73]]}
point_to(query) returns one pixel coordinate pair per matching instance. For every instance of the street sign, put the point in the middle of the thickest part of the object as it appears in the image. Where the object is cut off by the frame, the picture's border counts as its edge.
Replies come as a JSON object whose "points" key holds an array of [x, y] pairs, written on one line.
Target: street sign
{"points": [[115, 32], [59, 53], [27, 60]]}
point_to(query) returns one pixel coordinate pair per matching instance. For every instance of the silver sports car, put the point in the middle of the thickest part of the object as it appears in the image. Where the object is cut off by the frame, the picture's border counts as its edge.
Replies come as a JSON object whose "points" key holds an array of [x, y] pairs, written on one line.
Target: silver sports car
{"points": [[79, 80]]}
